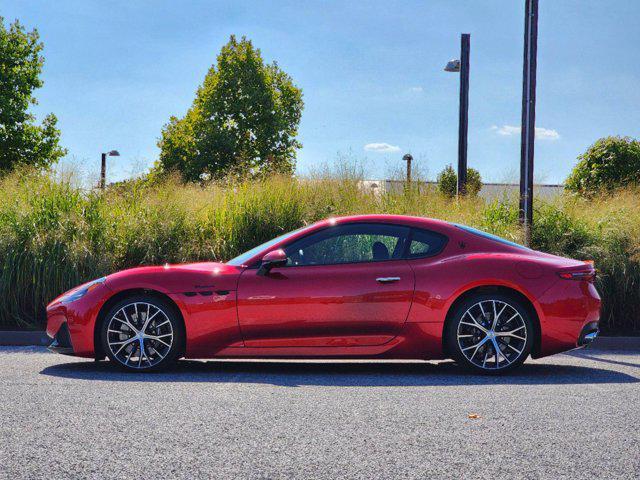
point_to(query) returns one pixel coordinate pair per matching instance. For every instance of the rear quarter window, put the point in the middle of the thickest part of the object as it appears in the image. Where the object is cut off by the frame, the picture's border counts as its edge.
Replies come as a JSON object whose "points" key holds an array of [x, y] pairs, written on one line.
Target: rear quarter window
{"points": [[425, 243]]}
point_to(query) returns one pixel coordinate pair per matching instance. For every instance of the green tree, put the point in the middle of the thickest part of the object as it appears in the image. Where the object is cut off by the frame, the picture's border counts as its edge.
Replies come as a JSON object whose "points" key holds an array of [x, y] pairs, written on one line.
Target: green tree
{"points": [[610, 163], [448, 182], [22, 141], [244, 120]]}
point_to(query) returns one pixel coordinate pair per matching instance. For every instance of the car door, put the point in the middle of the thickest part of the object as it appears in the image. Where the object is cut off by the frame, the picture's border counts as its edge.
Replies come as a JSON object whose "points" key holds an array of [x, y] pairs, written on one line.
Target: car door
{"points": [[346, 285]]}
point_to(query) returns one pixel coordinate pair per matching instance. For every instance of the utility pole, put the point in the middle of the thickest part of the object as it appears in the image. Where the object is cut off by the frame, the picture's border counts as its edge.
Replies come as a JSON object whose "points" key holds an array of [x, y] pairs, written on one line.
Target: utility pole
{"points": [[463, 125], [528, 116]]}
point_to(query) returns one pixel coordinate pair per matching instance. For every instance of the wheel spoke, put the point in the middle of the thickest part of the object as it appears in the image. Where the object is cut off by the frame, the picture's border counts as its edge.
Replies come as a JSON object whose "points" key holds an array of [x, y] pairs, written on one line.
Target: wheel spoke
{"points": [[126, 320], [124, 344], [513, 348], [475, 322], [130, 354], [149, 318], [475, 325], [514, 316], [499, 352], [495, 315], [157, 339], [499, 314], [477, 347]]}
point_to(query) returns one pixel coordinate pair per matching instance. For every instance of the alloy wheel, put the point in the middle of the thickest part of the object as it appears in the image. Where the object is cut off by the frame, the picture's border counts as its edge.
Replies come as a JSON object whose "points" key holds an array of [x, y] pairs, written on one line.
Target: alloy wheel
{"points": [[140, 335], [492, 334]]}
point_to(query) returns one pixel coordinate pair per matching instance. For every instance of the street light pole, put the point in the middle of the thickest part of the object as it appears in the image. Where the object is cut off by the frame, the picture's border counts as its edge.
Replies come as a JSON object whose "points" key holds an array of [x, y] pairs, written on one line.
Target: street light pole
{"points": [[528, 116], [463, 124], [103, 171], [408, 158], [103, 166], [462, 66]]}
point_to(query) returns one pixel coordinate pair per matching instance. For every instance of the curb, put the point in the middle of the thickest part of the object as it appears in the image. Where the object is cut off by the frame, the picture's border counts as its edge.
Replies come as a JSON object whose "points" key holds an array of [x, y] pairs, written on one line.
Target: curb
{"points": [[17, 338], [616, 344]]}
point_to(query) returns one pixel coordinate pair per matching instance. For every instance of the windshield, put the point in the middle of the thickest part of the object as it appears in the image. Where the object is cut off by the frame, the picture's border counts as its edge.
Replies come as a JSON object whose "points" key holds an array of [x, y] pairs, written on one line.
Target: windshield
{"points": [[495, 238], [244, 257]]}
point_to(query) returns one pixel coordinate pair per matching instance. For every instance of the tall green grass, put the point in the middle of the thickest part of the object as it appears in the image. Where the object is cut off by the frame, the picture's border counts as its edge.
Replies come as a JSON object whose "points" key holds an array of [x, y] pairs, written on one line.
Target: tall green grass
{"points": [[54, 235]]}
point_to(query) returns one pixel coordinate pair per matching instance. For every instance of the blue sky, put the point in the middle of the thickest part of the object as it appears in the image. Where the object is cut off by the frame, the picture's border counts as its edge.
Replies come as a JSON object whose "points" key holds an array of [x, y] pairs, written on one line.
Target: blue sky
{"points": [[371, 73]]}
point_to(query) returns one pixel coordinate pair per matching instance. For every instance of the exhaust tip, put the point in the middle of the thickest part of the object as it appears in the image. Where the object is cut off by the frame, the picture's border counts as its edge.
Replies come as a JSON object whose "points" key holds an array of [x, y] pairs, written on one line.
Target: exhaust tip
{"points": [[589, 333], [590, 337]]}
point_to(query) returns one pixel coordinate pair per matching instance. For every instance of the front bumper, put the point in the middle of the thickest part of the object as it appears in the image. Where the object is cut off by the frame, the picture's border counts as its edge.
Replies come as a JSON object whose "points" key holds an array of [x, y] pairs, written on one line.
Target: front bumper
{"points": [[61, 341]]}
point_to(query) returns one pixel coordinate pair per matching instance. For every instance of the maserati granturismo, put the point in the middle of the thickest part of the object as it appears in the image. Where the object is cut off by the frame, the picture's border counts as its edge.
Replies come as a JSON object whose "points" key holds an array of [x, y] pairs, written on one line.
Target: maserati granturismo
{"points": [[369, 286]]}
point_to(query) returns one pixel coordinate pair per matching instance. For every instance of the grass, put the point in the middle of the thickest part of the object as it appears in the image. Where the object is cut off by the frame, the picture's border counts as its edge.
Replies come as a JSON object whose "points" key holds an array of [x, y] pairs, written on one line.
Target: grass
{"points": [[54, 235]]}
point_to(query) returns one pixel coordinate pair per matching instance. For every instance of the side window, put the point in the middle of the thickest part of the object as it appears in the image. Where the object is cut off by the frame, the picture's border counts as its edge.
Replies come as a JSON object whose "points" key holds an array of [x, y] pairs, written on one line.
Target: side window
{"points": [[352, 243], [425, 243]]}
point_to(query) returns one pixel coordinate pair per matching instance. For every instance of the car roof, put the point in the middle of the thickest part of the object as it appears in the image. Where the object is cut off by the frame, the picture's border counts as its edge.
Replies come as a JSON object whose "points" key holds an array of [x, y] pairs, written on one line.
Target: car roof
{"points": [[410, 221]]}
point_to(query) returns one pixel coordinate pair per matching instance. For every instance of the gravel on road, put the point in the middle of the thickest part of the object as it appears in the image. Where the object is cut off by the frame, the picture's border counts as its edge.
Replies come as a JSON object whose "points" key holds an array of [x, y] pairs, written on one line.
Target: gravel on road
{"points": [[568, 416]]}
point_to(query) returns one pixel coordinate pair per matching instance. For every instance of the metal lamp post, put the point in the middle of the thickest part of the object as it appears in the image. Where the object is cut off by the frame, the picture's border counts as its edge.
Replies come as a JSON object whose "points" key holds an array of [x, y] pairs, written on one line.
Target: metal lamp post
{"points": [[408, 158], [103, 167], [462, 66], [528, 116]]}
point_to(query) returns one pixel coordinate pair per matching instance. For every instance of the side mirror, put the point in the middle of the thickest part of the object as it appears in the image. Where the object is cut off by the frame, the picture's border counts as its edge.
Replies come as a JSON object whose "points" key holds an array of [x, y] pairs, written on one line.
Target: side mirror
{"points": [[275, 258]]}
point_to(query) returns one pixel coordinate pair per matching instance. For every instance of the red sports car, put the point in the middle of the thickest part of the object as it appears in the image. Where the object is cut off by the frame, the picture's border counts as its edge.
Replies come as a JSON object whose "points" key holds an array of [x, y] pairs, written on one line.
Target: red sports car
{"points": [[371, 286]]}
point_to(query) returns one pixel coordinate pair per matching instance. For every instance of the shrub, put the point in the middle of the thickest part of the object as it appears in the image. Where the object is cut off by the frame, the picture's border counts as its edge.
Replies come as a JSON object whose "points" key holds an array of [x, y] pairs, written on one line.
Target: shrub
{"points": [[54, 235], [556, 231], [474, 182], [500, 217], [448, 182], [610, 163]]}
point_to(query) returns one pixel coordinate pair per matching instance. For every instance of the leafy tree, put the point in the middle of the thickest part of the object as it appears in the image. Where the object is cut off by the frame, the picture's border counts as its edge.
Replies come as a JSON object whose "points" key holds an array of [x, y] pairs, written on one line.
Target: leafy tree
{"points": [[448, 182], [244, 120], [22, 141], [610, 163]]}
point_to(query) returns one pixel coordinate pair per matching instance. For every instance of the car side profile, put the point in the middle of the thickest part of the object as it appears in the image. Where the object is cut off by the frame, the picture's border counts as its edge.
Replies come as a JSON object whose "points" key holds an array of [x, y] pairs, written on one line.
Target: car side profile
{"points": [[368, 286]]}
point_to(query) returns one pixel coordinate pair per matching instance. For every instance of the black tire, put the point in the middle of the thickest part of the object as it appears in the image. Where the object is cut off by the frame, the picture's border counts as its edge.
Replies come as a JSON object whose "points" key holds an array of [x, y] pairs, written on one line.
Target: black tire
{"points": [[471, 336], [125, 345]]}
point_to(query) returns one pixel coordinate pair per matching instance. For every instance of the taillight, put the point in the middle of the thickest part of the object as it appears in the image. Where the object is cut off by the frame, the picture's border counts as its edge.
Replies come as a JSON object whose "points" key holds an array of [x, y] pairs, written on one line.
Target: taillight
{"points": [[586, 273]]}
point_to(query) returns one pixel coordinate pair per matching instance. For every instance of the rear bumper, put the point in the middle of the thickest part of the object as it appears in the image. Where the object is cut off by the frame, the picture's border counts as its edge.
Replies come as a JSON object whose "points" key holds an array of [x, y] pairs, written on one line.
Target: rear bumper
{"points": [[570, 316]]}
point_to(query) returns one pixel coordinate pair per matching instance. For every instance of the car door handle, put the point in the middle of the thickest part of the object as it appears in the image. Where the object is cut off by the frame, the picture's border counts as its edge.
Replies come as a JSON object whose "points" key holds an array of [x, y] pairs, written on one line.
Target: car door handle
{"points": [[387, 279]]}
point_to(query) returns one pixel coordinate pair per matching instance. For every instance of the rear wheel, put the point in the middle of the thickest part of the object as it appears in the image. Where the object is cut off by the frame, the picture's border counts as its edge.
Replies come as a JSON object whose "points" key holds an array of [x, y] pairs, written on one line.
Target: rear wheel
{"points": [[490, 333], [142, 333]]}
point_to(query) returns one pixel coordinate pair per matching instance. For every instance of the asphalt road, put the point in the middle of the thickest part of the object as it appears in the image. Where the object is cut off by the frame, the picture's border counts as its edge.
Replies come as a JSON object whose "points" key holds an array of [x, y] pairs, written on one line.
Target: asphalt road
{"points": [[567, 416]]}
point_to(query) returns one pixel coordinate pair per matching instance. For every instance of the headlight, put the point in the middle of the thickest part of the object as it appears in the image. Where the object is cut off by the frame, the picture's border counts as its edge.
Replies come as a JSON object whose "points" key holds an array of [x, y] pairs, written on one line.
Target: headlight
{"points": [[81, 291]]}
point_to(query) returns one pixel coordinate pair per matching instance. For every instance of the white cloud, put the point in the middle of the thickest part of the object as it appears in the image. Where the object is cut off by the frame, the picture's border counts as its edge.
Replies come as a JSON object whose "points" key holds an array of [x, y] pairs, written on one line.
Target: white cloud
{"points": [[547, 134], [381, 148], [541, 133], [417, 89], [506, 130]]}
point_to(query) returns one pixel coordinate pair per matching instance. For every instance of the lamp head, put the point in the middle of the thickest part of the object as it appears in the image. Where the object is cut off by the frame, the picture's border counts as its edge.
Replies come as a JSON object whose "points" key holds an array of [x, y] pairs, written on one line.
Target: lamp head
{"points": [[452, 66]]}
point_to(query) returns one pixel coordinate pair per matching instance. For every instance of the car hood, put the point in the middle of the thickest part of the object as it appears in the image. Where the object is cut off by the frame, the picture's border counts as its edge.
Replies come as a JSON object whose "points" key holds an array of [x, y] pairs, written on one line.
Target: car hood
{"points": [[177, 278]]}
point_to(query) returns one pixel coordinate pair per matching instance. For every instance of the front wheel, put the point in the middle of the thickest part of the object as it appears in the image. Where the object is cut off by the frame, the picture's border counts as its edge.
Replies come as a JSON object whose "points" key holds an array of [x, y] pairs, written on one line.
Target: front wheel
{"points": [[142, 333], [490, 333]]}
